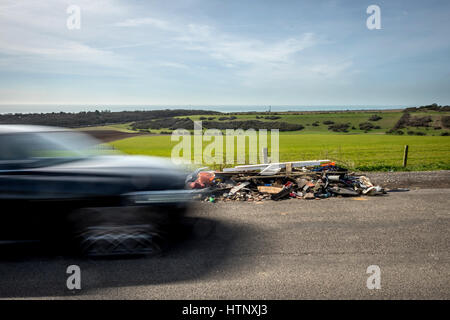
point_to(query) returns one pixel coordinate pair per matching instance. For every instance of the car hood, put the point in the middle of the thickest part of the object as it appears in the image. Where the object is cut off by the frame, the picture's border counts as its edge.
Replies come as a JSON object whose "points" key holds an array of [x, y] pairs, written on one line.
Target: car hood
{"points": [[116, 165], [97, 176]]}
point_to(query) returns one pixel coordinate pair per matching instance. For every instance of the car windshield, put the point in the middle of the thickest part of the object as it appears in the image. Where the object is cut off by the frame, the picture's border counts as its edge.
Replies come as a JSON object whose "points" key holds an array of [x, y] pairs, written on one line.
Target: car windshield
{"points": [[40, 148]]}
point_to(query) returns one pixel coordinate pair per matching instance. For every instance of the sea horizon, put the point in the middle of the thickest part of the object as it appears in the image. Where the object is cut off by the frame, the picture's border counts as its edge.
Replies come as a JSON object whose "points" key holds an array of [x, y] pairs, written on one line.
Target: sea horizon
{"points": [[49, 108]]}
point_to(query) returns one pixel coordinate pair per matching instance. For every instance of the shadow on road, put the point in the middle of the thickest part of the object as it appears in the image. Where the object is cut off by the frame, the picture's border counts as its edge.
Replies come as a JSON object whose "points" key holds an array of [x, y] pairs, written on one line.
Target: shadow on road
{"points": [[202, 248]]}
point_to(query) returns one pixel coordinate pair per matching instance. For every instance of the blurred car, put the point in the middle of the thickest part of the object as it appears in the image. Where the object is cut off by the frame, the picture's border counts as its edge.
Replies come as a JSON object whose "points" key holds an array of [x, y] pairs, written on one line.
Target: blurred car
{"points": [[64, 187]]}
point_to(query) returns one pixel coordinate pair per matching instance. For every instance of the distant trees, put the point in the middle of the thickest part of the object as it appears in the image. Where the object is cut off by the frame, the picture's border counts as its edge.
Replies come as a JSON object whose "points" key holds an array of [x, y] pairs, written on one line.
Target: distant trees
{"points": [[407, 121], [433, 107], [268, 117], [188, 124], [94, 118], [445, 120], [227, 118], [339, 127], [375, 117], [416, 133], [366, 126]]}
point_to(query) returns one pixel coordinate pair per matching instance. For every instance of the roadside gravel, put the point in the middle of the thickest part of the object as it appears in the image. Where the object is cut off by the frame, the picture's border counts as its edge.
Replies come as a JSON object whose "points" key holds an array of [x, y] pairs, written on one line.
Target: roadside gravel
{"points": [[412, 180]]}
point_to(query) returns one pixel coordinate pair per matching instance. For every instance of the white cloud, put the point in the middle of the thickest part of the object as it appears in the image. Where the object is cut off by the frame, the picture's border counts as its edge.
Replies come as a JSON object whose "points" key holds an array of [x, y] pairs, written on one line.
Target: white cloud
{"points": [[115, 39], [160, 24], [31, 31], [248, 58], [172, 65], [35, 38], [232, 51], [261, 62], [255, 51], [330, 70], [228, 49], [62, 51]]}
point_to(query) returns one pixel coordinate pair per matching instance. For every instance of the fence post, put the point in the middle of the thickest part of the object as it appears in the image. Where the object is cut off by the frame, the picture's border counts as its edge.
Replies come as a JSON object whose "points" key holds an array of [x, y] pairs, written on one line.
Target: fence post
{"points": [[405, 156]]}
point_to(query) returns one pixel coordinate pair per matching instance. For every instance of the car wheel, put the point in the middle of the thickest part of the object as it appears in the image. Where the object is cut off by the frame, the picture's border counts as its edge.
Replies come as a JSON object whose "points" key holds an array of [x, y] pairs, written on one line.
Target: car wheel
{"points": [[121, 240]]}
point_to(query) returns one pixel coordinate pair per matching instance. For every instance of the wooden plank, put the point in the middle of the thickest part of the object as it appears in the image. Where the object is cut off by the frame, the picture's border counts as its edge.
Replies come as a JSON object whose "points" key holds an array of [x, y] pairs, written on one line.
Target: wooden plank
{"points": [[288, 168], [295, 164], [270, 170], [245, 178], [269, 189]]}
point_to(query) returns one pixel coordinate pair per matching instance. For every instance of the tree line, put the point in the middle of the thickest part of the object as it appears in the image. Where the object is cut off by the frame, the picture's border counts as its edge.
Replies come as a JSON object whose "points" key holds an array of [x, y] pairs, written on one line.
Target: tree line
{"points": [[94, 118]]}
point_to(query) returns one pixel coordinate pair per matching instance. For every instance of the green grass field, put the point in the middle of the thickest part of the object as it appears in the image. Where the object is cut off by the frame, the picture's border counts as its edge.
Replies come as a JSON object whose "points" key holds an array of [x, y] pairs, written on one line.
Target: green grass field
{"points": [[372, 152], [313, 122], [307, 119], [353, 118], [122, 127]]}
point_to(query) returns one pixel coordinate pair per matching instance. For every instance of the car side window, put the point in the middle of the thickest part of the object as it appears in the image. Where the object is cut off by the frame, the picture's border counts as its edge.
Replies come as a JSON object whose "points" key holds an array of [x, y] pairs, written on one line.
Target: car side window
{"points": [[11, 148], [13, 153]]}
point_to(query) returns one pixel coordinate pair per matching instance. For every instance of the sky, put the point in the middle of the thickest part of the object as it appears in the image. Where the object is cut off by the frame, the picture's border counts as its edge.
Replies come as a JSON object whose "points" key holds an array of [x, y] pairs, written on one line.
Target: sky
{"points": [[224, 52]]}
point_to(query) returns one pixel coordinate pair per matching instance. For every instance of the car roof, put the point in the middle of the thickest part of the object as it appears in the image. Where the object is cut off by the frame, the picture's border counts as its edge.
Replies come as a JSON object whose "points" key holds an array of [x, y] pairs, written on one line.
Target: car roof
{"points": [[19, 128]]}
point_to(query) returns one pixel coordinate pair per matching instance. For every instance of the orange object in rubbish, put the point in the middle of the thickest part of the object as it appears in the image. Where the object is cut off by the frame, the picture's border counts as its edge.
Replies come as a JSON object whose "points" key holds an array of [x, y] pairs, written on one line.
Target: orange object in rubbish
{"points": [[328, 164], [204, 178]]}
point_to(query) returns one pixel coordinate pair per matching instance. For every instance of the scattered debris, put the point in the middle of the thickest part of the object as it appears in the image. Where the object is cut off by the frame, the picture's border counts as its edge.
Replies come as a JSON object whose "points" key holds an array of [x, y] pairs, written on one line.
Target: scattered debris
{"points": [[317, 179], [204, 178], [238, 187], [280, 165]]}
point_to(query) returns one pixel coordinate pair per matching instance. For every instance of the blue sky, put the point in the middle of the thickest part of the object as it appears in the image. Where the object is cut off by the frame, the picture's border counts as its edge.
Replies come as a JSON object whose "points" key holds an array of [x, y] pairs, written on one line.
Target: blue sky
{"points": [[246, 52]]}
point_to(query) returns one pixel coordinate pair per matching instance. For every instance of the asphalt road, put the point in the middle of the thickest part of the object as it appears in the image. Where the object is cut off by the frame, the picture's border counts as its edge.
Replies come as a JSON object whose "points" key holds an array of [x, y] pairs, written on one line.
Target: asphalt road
{"points": [[290, 249]]}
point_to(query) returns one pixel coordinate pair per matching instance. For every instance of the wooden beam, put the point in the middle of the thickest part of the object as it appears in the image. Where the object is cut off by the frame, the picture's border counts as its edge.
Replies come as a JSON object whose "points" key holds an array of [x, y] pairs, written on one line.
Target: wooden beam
{"points": [[295, 164]]}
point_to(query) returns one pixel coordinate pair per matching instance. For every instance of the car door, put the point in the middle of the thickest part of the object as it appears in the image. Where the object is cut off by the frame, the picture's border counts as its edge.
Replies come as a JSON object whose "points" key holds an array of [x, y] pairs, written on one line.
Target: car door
{"points": [[20, 218]]}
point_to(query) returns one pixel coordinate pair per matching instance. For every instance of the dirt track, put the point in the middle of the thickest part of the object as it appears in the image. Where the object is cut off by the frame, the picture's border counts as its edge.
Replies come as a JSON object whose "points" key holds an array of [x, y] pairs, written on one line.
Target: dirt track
{"points": [[110, 135]]}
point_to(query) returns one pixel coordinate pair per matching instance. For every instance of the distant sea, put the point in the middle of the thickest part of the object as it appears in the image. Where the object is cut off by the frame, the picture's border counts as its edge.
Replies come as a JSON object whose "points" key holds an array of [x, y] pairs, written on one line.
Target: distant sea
{"points": [[35, 108]]}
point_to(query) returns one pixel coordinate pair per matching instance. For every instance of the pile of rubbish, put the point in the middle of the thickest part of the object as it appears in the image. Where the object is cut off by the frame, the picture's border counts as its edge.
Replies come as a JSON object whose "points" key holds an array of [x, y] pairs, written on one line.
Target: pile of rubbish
{"points": [[317, 179]]}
